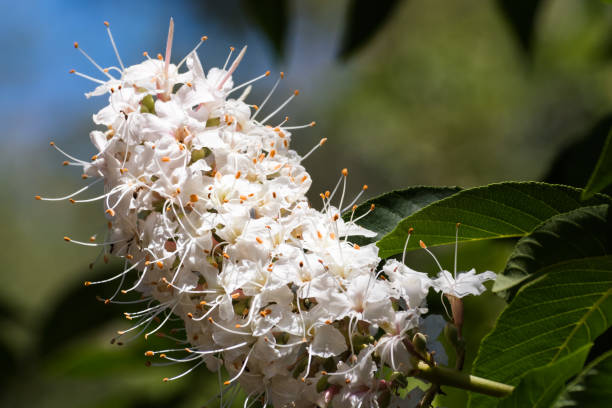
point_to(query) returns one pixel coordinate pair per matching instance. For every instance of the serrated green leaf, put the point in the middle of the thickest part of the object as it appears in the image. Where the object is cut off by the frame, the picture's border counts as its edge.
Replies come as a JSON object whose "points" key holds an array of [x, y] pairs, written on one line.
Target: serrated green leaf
{"points": [[602, 175], [568, 306], [541, 386], [503, 210], [564, 309], [589, 234], [591, 389], [390, 208]]}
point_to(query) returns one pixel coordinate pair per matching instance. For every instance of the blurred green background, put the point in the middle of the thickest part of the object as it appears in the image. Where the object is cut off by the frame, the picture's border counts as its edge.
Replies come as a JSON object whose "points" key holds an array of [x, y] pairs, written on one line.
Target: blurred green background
{"points": [[411, 92]]}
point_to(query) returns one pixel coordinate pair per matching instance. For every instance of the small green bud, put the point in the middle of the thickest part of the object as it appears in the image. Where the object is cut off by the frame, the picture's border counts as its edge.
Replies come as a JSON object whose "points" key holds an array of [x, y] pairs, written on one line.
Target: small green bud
{"points": [[420, 343], [148, 103], [199, 154], [211, 122]]}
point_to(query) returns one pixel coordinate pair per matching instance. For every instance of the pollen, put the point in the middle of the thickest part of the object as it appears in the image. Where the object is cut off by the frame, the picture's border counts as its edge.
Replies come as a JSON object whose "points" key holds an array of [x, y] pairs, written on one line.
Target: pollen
{"points": [[67, 239], [422, 244], [165, 159], [149, 353], [345, 172]]}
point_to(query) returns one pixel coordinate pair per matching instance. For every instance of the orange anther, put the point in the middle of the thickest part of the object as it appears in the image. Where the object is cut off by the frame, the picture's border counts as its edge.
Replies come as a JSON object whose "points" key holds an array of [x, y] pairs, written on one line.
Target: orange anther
{"points": [[149, 353], [313, 123], [51, 143], [110, 212], [159, 264], [94, 157], [410, 230], [322, 142], [372, 207], [345, 172], [92, 239], [165, 159], [272, 153], [238, 174], [87, 283], [160, 57], [67, 239], [422, 244], [267, 73], [258, 240], [38, 197], [319, 234], [144, 53], [204, 38], [190, 315], [226, 256], [296, 92], [365, 187], [166, 379], [65, 163], [356, 246], [76, 44], [193, 198], [72, 201], [72, 71]]}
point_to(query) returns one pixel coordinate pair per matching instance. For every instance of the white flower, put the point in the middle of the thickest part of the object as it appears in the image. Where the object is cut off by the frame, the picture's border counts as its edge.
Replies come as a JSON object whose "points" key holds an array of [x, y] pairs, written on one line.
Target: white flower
{"points": [[466, 283], [207, 205]]}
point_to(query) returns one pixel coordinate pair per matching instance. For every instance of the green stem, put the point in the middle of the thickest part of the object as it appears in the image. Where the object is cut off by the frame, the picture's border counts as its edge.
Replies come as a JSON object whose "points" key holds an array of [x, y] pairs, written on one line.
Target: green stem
{"points": [[454, 378]]}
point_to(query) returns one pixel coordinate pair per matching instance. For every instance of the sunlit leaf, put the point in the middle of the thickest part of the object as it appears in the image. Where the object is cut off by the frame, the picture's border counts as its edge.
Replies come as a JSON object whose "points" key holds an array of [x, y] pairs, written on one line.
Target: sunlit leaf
{"points": [[567, 307], [392, 207], [588, 233], [503, 210]]}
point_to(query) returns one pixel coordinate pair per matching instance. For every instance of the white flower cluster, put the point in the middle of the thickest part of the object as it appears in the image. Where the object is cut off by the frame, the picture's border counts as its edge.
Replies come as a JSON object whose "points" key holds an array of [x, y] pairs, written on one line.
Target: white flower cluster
{"points": [[207, 206]]}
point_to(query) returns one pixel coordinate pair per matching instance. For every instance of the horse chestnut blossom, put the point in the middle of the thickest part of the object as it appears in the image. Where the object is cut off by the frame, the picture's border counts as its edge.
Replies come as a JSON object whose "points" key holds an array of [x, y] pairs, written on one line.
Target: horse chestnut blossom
{"points": [[206, 203]]}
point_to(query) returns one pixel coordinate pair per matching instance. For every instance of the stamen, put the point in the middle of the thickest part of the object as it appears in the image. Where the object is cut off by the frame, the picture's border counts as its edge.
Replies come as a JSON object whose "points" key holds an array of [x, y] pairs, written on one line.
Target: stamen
{"points": [[233, 67], [94, 63], [110, 36], [295, 93]]}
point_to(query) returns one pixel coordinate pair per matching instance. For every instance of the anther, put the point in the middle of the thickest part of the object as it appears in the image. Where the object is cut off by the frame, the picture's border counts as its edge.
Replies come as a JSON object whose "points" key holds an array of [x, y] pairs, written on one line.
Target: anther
{"points": [[165, 159], [204, 38], [238, 174], [313, 123], [110, 212], [345, 172], [322, 142], [149, 353], [67, 239], [65, 163], [365, 187], [76, 44], [296, 92], [372, 207], [72, 71], [193, 198], [267, 73], [87, 283], [160, 264], [282, 74], [38, 197], [258, 240], [422, 244]]}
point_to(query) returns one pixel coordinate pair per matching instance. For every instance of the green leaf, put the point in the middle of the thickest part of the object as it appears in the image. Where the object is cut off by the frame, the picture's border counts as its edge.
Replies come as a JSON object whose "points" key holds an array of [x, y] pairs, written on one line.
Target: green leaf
{"points": [[503, 210], [541, 386], [591, 389], [602, 175], [588, 233], [392, 207], [364, 19], [556, 314]]}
